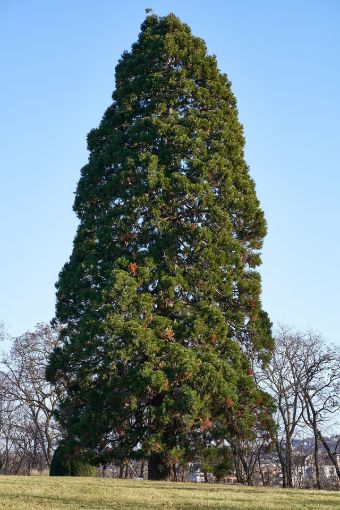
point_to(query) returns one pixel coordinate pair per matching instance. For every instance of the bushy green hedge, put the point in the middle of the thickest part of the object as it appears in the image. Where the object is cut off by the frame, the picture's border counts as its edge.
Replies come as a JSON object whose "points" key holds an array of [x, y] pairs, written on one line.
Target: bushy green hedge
{"points": [[62, 465]]}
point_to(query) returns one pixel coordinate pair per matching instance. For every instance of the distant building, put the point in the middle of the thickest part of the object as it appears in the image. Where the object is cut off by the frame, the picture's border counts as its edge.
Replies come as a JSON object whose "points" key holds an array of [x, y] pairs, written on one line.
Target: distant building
{"points": [[196, 476], [327, 468]]}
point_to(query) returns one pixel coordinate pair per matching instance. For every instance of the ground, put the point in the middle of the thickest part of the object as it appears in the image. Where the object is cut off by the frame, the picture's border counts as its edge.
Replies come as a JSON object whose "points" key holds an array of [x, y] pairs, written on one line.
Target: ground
{"points": [[21, 493]]}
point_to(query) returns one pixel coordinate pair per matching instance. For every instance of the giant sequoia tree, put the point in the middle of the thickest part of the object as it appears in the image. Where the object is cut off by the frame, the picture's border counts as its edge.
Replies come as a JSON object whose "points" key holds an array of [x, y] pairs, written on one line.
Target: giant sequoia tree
{"points": [[160, 300]]}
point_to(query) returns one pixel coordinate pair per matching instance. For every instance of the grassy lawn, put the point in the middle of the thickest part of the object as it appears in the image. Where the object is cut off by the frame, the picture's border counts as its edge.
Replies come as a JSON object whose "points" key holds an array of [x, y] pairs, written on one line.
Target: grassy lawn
{"points": [[97, 493]]}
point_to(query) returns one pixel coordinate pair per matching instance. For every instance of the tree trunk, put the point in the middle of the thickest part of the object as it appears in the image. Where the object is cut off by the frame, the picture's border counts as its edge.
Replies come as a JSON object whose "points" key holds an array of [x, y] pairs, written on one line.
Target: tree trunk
{"points": [[121, 469], [142, 466], [158, 470], [316, 463], [332, 456], [247, 470], [238, 467], [282, 463], [289, 461], [264, 481], [174, 471]]}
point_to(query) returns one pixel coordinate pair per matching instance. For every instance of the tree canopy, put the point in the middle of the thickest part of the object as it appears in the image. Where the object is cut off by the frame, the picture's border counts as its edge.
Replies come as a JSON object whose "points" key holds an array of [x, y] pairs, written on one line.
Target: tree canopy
{"points": [[160, 301]]}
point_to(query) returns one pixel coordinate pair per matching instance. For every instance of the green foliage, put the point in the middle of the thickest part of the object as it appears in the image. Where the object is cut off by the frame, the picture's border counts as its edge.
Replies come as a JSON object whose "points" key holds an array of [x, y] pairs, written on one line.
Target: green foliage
{"points": [[160, 300], [80, 468], [65, 465], [60, 465], [217, 461]]}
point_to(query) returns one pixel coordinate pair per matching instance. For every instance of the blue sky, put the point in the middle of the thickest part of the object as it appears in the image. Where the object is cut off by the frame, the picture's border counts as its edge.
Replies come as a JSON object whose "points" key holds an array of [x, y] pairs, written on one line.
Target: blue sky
{"points": [[57, 75]]}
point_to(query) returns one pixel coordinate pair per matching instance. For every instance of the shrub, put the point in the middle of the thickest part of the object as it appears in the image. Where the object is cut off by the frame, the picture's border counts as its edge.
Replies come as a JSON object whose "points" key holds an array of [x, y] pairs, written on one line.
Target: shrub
{"points": [[62, 465]]}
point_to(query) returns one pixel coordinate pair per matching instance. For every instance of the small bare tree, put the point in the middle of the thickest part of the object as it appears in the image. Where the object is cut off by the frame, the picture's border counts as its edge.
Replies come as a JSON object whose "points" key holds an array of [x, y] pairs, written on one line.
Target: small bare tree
{"points": [[303, 376], [281, 378], [247, 455], [28, 430], [320, 395]]}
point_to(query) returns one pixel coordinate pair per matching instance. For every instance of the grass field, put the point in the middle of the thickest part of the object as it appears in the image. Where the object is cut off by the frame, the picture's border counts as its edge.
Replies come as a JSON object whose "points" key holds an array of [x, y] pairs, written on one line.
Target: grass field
{"points": [[98, 493]]}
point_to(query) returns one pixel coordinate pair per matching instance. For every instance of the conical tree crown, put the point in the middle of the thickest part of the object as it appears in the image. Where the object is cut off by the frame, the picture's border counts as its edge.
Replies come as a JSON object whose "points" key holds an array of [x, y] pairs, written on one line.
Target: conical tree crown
{"points": [[160, 300]]}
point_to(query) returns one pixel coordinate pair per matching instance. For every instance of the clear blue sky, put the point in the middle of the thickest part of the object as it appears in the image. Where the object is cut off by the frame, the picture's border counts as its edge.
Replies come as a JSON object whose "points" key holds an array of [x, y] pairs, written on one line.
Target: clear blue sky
{"points": [[57, 75]]}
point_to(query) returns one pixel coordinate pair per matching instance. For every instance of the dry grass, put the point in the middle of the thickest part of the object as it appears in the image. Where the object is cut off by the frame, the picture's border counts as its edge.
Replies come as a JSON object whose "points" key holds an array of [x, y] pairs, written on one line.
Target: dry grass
{"points": [[97, 493]]}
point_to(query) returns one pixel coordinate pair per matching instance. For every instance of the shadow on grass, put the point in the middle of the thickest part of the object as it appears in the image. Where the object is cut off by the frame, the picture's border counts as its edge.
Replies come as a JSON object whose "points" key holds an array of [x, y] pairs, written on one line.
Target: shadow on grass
{"points": [[310, 503], [59, 502], [125, 495]]}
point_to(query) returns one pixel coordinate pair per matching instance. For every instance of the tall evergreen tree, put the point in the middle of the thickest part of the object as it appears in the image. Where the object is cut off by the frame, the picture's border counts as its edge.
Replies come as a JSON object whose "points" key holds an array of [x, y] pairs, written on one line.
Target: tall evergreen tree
{"points": [[160, 300]]}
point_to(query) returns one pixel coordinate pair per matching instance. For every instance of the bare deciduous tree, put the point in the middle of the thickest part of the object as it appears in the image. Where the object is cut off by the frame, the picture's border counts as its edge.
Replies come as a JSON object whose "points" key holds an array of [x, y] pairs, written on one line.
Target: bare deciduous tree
{"points": [[320, 395], [28, 430], [303, 376], [281, 379]]}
